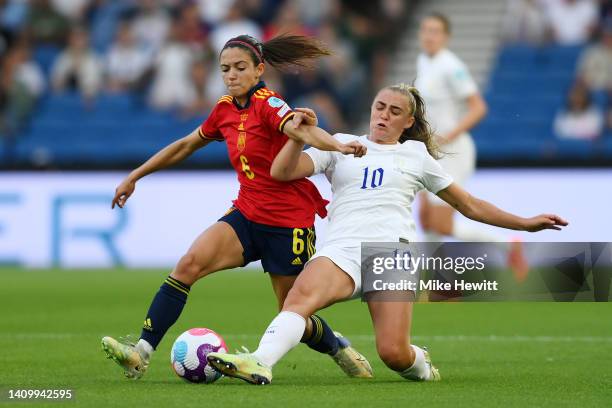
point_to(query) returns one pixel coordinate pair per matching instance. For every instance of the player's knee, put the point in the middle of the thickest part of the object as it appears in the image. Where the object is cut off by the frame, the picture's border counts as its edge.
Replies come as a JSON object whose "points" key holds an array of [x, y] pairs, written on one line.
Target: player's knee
{"points": [[300, 299], [188, 270], [395, 355]]}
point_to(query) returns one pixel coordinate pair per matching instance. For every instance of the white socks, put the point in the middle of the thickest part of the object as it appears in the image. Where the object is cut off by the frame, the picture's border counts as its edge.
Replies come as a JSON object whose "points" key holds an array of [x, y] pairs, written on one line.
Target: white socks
{"points": [[144, 349], [283, 334], [420, 370]]}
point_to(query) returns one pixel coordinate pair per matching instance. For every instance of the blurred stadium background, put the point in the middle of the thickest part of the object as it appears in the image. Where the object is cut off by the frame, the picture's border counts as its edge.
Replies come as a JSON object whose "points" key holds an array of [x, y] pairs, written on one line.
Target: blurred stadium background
{"points": [[92, 88]]}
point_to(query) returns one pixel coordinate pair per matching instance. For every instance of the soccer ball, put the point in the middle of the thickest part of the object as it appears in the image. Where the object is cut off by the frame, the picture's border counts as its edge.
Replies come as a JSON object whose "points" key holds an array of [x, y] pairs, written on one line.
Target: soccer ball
{"points": [[189, 351]]}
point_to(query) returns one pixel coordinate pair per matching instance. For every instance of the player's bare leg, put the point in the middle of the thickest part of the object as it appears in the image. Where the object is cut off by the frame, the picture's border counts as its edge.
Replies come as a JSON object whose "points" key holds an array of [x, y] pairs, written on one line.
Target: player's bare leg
{"points": [[392, 320]]}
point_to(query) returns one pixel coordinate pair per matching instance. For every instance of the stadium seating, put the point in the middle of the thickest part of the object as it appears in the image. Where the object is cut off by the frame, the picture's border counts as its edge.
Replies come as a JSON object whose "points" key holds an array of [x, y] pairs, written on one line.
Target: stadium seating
{"points": [[112, 130], [526, 89]]}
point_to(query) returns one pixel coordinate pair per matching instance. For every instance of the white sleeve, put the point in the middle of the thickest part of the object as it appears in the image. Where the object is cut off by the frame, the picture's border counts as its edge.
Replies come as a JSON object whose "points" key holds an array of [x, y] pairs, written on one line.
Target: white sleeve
{"points": [[433, 177], [460, 80], [322, 160]]}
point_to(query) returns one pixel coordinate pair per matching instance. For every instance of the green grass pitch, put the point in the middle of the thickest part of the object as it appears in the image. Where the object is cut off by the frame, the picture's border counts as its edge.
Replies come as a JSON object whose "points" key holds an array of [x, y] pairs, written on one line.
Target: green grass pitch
{"points": [[489, 354]]}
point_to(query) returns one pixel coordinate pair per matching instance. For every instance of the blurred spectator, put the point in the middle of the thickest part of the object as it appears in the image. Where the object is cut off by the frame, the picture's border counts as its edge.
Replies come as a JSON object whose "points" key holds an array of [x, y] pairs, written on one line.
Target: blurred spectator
{"points": [[104, 18], [313, 89], [13, 14], [78, 67], [199, 102], [595, 66], [394, 10], [213, 12], [287, 20], [235, 24], [524, 22], [151, 25], [193, 31], [74, 10], [372, 30], [347, 79], [22, 83], [46, 25], [172, 86], [126, 63], [572, 22], [313, 12], [580, 119], [263, 11]]}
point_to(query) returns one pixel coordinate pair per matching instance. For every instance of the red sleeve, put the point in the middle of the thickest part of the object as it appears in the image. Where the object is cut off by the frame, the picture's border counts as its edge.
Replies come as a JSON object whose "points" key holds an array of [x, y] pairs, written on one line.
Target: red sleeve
{"points": [[209, 129], [276, 112]]}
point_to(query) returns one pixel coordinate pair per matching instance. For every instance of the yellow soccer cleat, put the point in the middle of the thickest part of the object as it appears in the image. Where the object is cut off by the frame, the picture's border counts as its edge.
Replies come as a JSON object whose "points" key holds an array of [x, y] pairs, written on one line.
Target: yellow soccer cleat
{"points": [[126, 355], [353, 363], [244, 366], [434, 374]]}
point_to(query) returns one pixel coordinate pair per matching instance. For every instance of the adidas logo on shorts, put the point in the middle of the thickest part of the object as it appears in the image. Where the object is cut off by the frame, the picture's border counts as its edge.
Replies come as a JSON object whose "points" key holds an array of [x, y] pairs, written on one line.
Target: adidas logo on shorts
{"points": [[296, 261]]}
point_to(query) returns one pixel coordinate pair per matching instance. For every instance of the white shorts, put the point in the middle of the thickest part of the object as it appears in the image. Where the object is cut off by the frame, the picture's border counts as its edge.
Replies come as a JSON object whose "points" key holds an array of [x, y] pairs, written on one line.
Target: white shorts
{"points": [[346, 258], [459, 161]]}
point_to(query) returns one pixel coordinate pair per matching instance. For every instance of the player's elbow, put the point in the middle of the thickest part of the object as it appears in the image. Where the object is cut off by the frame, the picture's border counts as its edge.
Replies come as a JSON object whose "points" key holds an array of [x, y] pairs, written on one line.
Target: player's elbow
{"points": [[469, 208], [481, 108], [484, 109]]}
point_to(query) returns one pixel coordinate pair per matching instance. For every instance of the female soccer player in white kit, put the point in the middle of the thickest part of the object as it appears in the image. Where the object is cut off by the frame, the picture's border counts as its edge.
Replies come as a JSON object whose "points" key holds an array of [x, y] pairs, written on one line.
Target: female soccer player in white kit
{"points": [[454, 106], [372, 198]]}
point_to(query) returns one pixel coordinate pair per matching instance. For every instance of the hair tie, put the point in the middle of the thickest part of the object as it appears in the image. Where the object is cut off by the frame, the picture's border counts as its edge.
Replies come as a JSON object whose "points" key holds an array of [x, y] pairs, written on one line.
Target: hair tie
{"points": [[258, 53]]}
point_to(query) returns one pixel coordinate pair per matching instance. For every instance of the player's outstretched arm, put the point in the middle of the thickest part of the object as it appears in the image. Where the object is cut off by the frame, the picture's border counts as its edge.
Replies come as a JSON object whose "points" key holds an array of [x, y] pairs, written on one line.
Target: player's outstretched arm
{"points": [[483, 211], [168, 156], [302, 130]]}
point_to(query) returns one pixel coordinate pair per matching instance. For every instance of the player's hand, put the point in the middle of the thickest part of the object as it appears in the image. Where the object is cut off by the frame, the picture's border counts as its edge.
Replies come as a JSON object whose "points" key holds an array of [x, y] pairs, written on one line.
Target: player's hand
{"points": [[123, 192], [544, 222], [306, 116], [355, 148]]}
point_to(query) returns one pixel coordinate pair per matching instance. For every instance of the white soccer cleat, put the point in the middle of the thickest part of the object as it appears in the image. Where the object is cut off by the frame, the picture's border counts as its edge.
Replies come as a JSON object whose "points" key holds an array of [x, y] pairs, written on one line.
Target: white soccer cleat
{"points": [[353, 363], [434, 374]]}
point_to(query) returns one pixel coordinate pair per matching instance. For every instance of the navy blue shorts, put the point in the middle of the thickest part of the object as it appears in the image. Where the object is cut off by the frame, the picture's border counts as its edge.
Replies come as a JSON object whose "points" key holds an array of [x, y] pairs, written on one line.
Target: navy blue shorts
{"points": [[282, 251]]}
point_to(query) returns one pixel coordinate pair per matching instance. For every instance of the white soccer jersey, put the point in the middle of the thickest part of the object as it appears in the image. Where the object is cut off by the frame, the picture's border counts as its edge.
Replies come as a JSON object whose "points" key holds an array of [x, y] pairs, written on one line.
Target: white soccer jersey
{"points": [[445, 83], [373, 195]]}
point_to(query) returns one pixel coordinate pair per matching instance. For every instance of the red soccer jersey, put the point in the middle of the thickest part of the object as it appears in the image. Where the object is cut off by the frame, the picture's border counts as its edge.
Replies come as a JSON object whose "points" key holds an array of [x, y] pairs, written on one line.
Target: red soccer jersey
{"points": [[254, 137]]}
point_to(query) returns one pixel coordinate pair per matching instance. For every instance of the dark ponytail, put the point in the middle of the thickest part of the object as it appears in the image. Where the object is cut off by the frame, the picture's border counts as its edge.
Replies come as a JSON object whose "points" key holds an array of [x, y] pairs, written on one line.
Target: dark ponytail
{"points": [[420, 130], [282, 52]]}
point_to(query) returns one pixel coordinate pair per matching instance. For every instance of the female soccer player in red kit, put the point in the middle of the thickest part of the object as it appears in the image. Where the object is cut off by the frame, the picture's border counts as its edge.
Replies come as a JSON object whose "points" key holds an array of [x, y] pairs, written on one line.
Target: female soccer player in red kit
{"points": [[270, 221]]}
